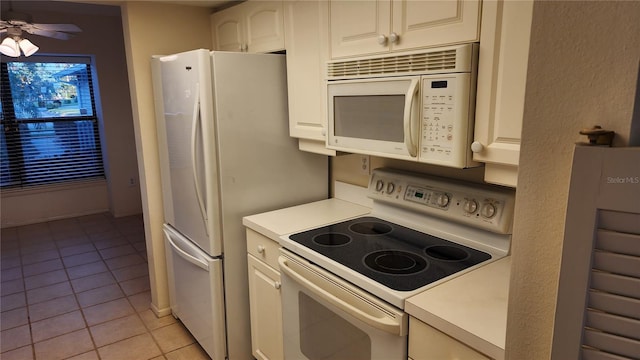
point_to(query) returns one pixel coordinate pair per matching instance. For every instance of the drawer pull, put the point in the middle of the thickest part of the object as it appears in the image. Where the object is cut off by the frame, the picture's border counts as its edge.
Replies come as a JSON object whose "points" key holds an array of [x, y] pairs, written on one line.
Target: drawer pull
{"points": [[261, 249]]}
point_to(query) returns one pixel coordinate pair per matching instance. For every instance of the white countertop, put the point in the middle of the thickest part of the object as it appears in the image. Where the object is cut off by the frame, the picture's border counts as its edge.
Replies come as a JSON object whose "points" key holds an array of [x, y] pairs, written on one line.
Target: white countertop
{"points": [[275, 223], [471, 308]]}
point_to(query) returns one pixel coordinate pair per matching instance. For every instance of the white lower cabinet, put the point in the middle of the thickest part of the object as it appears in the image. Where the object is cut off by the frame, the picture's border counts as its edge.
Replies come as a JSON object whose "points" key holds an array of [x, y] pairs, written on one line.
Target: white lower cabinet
{"points": [[265, 301], [426, 342]]}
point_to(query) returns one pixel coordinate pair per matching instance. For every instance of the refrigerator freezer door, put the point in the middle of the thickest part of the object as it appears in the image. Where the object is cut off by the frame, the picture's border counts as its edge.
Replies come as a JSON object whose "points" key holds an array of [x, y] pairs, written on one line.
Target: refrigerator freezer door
{"points": [[184, 109], [197, 297]]}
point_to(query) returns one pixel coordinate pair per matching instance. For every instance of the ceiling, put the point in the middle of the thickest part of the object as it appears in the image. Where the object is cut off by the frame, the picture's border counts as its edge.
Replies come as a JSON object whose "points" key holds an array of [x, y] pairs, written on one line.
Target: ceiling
{"points": [[80, 6], [211, 4]]}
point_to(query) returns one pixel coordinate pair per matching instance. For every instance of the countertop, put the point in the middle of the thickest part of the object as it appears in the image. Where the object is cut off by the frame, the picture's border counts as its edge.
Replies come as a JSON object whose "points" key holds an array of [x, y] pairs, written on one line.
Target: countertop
{"points": [[275, 223], [471, 308]]}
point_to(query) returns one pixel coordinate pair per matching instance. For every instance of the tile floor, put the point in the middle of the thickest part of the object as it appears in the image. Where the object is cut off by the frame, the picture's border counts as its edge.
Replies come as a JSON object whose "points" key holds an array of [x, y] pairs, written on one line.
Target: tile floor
{"points": [[79, 289]]}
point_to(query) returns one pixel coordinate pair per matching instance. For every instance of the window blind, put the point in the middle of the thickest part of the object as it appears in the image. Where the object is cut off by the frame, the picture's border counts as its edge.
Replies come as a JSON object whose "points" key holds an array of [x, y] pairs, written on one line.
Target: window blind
{"points": [[49, 122]]}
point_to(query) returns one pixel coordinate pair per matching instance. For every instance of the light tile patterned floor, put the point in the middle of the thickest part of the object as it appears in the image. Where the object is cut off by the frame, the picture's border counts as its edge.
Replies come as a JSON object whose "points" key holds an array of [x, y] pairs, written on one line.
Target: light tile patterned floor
{"points": [[79, 289]]}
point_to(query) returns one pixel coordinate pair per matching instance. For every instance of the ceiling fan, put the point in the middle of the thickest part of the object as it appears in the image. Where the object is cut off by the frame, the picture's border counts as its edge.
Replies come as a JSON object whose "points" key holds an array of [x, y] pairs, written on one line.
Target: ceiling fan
{"points": [[13, 23]]}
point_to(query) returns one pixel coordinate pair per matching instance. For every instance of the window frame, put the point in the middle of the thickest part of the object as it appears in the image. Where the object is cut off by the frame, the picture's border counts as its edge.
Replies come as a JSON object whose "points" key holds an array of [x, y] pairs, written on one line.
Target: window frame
{"points": [[11, 126]]}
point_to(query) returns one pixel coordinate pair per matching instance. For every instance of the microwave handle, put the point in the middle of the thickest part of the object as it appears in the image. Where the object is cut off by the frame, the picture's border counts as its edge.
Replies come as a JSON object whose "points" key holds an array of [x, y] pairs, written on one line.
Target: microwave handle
{"points": [[409, 126]]}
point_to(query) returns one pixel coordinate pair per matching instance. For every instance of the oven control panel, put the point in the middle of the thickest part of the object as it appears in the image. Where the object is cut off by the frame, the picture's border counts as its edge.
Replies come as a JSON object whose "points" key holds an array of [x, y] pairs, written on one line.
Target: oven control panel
{"points": [[477, 205], [429, 197]]}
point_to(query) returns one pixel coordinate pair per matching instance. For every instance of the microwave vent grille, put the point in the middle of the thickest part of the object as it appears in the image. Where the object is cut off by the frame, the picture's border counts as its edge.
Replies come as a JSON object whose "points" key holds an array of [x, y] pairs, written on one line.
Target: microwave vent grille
{"points": [[430, 62]]}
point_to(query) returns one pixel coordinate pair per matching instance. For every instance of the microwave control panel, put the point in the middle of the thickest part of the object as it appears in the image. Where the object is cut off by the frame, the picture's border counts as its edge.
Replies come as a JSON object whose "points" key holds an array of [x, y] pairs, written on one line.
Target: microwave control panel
{"points": [[445, 123]]}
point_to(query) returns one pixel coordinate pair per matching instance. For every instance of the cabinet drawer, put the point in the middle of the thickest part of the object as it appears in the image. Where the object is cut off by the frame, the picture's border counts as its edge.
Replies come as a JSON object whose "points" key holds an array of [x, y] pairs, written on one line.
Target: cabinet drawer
{"points": [[263, 248]]}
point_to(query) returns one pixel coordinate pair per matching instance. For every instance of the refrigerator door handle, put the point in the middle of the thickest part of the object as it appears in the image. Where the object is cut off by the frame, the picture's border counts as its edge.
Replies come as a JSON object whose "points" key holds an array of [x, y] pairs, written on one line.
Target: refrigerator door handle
{"points": [[194, 162], [183, 254]]}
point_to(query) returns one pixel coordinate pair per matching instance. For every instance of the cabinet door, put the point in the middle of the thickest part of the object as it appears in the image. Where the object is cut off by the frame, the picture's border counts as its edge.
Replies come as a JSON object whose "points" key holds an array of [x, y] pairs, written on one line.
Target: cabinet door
{"points": [[306, 29], [266, 313], [426, 342], [434, 22], [264, 27], [502, 76], [355, 27], [227, 29]]}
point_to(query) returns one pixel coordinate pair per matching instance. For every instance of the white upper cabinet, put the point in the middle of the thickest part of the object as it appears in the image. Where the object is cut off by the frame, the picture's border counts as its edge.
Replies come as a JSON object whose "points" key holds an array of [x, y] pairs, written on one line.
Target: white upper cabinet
{"points": [[356, 25], [252, 26], [502, 75], [375, 27], [433, 23], [307, 50], [227, 28]]}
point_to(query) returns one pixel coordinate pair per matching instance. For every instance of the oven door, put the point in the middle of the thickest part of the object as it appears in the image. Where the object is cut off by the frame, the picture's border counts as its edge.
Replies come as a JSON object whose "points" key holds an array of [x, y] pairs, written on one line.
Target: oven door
{"points": [[326, 317]]}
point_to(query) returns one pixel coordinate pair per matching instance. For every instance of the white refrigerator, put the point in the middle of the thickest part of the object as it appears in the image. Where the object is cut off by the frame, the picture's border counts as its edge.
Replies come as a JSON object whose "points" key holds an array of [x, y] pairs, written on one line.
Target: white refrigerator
{"points": [[225, 152]]}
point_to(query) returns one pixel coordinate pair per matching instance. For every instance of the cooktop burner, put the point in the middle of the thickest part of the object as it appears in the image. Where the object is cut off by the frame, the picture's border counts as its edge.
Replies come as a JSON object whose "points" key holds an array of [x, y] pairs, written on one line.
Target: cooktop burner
{"points": [[370, 228], [395, 262], [398, 257], [331, 239]]}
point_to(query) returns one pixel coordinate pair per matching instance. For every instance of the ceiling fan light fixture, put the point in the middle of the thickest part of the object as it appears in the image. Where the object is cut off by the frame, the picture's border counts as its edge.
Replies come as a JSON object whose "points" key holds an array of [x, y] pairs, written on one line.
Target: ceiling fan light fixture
{"points": [[10, 47], [28, 48]]}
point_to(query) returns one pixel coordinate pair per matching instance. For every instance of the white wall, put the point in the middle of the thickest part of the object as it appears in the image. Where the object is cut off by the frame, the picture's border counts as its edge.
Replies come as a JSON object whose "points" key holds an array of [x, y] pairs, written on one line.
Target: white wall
{"points": [[156, 29], [102, 37], [583, 70], [347, 168]]}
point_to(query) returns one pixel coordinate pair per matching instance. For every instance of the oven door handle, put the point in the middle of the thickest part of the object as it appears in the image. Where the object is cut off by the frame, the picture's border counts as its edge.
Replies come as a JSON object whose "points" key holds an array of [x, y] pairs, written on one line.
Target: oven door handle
{"points": [[342, 298]]}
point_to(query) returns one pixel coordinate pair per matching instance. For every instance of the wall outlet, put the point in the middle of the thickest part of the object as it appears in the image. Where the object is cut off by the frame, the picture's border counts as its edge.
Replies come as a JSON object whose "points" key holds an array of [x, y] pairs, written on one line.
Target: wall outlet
{"points": [[365, 168]]}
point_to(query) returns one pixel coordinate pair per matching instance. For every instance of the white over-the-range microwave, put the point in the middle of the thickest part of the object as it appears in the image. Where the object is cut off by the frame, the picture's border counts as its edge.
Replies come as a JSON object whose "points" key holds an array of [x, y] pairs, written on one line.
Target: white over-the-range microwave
{"points": [[417, 106]]}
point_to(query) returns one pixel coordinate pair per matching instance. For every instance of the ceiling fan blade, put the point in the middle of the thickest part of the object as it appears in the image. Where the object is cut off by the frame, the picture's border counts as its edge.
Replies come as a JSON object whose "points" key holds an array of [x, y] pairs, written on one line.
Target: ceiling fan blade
{"points": [[57, 27], [51, 34]]}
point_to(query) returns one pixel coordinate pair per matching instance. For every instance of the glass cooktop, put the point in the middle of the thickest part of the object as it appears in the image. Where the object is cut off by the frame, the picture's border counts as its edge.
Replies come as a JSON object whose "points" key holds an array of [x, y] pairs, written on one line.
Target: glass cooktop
{"points": [[398, 257]]}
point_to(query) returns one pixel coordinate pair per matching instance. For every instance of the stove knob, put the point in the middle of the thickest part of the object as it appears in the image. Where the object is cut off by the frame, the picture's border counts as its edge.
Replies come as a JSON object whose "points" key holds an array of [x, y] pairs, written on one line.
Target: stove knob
{"points": [[390, 188], [442, 200], [470, 206], [379, 185], [488, 210]]}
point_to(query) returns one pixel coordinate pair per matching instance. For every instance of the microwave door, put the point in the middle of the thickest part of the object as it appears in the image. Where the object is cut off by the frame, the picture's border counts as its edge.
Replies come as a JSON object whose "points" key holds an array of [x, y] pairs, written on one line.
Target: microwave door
{"points": [[378, 117]]}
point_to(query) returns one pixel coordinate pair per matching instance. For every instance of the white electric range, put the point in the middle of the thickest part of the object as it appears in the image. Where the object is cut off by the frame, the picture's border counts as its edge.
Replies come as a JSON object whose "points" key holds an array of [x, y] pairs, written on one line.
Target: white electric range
{"points": [[352, 277]]}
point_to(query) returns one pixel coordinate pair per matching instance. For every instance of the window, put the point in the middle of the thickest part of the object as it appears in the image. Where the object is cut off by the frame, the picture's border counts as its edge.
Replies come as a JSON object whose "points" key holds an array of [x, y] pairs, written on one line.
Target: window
{"points": [[49, 127]]}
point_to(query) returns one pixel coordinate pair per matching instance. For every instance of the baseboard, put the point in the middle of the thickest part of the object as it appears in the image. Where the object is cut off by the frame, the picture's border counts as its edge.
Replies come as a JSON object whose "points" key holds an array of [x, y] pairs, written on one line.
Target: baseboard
{"points": [[160, 312]]}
